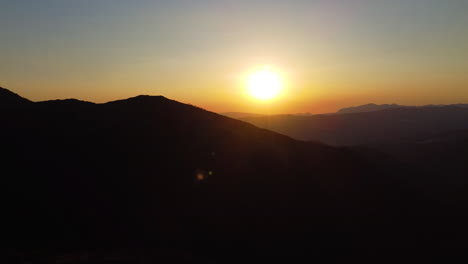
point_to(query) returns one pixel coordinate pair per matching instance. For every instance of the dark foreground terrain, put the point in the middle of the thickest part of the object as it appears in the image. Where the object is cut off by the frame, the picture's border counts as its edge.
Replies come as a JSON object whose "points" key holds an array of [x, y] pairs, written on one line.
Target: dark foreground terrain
{"points": [[148, 178]]}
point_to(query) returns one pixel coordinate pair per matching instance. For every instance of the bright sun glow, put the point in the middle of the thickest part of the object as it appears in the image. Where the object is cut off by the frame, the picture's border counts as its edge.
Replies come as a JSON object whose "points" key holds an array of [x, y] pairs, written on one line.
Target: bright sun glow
{"points": [[264, 84]]}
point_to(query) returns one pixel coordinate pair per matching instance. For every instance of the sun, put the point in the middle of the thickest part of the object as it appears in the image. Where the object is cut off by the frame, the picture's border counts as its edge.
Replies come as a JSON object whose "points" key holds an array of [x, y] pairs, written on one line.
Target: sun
{"points": [[264, 84]]}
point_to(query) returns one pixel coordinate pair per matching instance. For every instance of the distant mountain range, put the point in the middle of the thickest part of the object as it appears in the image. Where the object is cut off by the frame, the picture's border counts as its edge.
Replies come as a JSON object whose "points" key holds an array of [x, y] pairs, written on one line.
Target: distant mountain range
{"points": [[375, 107], [152, 172], [237, 115], [389, 125], [348, 110], [368, 108], [240, 115]]}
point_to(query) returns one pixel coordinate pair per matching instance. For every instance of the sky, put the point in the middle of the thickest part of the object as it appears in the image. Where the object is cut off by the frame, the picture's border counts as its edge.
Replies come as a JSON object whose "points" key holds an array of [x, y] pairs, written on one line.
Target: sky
{"points": [[330, 54]]}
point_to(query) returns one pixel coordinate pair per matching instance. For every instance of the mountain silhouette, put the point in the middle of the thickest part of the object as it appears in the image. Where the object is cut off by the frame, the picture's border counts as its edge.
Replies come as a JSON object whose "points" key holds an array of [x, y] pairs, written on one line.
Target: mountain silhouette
{"points": [[10, 99], [152, 172], [384, 126], [375, 107], [238, 115], [368, 108]]}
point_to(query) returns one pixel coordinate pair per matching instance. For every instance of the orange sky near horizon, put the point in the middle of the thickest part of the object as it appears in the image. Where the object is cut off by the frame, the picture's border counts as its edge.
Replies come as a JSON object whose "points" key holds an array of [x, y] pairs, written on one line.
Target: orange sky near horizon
{"points": [[330, 54]]}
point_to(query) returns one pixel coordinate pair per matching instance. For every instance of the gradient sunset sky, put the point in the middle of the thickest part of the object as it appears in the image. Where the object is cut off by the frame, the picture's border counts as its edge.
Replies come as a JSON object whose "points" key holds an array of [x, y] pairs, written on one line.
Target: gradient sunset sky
{"points": [[331, 53]]}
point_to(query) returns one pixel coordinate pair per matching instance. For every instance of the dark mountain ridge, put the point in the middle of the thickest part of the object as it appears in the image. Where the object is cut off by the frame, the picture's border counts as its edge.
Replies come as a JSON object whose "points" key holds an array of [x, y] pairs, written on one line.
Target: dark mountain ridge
{"points": [[149, 171], [10, 99]]}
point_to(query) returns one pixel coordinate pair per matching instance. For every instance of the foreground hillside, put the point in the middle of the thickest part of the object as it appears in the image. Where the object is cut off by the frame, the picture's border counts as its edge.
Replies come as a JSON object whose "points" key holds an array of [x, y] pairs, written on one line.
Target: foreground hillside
{"points": [[149, 172]]}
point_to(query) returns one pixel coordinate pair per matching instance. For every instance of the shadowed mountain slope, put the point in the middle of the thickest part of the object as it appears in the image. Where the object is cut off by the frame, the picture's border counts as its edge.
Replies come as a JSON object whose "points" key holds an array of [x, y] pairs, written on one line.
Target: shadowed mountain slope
{"points": [[152, 171], [444, 154], [386, 126]]}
